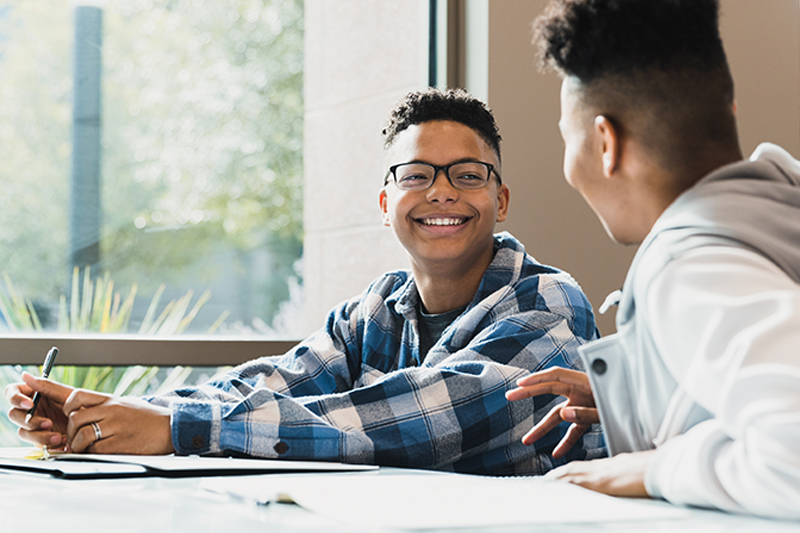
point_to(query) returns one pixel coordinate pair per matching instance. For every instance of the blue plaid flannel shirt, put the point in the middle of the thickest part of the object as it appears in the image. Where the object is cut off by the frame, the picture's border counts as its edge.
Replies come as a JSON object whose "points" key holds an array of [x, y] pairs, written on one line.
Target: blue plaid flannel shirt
{"points": [[356, 390]]}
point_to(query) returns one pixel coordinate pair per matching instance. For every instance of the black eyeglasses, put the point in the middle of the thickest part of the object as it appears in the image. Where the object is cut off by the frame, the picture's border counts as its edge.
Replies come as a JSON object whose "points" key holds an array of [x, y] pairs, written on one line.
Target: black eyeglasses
{"points": [[465, 175]]}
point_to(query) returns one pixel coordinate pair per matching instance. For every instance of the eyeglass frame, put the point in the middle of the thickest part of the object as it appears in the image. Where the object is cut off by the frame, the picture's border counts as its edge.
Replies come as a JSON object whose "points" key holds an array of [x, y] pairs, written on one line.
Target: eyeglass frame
{"points": [[446, 170]]}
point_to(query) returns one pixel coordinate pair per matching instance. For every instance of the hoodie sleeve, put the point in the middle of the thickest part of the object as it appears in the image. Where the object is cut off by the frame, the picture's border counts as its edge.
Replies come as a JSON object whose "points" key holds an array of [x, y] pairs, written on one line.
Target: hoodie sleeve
{"points": [[727, 323]]}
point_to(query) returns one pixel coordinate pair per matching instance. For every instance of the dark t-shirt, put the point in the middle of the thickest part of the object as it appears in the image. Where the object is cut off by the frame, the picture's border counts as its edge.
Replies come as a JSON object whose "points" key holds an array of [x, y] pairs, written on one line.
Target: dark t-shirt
{"points": [[431, 327]]}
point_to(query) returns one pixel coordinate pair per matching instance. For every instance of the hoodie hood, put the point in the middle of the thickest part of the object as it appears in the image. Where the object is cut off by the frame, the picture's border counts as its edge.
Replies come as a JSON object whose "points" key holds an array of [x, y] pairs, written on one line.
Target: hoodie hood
{"points": [[753, 204]]}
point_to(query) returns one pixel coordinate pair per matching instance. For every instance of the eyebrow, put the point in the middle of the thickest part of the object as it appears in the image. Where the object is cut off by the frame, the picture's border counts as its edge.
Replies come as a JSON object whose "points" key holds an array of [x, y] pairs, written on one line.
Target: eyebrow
{"points": [[462, 160]]}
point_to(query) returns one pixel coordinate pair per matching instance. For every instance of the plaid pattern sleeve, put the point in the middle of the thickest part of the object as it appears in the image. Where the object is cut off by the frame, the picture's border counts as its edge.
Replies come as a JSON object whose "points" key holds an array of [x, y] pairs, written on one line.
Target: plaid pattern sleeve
{"points": [[358, 391]]}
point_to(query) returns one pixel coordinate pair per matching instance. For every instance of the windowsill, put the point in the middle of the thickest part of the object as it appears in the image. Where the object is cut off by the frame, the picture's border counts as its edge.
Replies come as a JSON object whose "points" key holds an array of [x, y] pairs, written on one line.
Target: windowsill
{"points": [[118, 350]]}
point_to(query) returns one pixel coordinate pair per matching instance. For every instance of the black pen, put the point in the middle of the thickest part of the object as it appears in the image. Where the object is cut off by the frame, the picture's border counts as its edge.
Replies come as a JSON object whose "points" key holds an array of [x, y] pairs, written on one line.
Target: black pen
{"points": [[49, 361]]}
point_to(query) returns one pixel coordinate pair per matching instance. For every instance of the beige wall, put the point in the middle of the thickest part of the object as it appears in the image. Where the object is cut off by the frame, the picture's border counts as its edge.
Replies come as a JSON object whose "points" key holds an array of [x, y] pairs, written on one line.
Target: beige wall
{"points": [[362, 56], [346, 104], [762, 40]]}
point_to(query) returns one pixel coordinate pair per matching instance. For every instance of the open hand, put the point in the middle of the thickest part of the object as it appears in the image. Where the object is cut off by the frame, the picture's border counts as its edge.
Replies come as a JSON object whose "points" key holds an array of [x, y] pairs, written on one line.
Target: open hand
{"points": [[621, 475], [579, 409]]}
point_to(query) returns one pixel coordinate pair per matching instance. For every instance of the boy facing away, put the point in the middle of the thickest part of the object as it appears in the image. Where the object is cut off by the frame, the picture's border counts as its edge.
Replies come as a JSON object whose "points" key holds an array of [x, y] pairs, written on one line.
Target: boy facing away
{"points": [[699, 389]]}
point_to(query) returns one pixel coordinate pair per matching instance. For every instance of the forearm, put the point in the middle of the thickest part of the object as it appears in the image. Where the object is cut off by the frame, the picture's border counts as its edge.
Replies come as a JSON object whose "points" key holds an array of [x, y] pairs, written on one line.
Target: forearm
{"points": [[421, 418], [705, 467], [265, 424]]}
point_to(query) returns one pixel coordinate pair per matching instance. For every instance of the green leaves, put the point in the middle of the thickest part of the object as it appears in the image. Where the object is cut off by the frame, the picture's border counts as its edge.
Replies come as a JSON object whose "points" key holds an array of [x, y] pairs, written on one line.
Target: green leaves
{"points": [[18, 311], [95, 307]]}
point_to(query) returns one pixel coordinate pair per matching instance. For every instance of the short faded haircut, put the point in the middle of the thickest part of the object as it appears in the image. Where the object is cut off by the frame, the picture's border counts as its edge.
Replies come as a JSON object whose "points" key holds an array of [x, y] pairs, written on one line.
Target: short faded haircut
{"points": [[658, 65]]}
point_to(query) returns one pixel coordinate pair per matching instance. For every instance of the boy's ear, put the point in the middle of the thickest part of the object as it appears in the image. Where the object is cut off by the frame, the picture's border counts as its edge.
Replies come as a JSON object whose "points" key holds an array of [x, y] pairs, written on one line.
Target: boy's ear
{"points": [[610, 144], [503, 195], [382, 201]]}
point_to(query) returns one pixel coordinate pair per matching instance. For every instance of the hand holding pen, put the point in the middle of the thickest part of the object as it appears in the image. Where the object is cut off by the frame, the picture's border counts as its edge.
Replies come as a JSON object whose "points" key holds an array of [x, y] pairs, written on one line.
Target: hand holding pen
{"points": [[37, 407], [62, 418], [49, 361]]}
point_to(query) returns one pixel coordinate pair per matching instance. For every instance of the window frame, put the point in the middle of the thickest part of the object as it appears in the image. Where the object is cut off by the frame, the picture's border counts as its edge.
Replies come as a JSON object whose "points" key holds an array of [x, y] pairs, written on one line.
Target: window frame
{"points": [[124, 350]]}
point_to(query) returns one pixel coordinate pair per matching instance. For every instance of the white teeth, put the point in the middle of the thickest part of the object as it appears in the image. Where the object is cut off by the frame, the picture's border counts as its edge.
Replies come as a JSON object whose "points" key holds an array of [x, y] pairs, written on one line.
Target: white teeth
{"points": [[443, 221]]}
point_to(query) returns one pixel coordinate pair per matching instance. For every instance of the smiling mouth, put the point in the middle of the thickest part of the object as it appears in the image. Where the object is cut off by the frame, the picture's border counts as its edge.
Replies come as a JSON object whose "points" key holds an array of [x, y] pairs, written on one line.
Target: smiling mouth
{"points": [[447, 221]]}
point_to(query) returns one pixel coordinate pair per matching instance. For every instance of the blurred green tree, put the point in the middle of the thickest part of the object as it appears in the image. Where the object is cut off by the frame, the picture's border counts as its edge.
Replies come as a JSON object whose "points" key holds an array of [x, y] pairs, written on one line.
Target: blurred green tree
{"points": [[202, 134]]}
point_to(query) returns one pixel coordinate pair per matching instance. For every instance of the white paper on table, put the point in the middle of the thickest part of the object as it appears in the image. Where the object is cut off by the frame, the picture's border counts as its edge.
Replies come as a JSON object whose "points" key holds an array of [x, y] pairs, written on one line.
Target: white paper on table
{"points": [[439, 500], [195, 463]]}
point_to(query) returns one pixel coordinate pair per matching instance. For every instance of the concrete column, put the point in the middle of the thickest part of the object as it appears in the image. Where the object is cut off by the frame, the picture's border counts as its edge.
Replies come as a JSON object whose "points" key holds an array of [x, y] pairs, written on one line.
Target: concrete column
{"points": [[85, 207]]}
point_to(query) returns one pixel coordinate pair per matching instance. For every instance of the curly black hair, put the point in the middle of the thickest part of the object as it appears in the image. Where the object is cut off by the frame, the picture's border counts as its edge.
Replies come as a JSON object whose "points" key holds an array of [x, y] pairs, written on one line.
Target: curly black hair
{"points": [[590, 39], [456, 105]]}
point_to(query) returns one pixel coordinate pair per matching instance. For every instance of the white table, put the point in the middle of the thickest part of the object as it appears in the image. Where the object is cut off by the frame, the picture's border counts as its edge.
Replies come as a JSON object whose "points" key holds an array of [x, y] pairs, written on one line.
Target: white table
{"points": [[33, 503]]}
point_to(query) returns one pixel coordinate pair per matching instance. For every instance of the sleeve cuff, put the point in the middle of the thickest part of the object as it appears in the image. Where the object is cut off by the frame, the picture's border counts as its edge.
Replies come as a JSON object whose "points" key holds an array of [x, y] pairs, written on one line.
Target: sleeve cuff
{"points": [[195, 428], [651, 476]]}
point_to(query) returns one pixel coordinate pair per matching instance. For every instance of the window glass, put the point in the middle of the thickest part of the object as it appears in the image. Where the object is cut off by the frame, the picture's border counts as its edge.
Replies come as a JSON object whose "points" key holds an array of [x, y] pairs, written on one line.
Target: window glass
{"points": [[151, 160]]}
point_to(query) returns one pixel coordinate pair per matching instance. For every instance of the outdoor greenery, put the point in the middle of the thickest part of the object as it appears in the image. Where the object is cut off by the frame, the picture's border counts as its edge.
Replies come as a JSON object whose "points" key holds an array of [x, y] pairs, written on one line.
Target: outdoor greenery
{"points": [[201, 149], [95, 307]]}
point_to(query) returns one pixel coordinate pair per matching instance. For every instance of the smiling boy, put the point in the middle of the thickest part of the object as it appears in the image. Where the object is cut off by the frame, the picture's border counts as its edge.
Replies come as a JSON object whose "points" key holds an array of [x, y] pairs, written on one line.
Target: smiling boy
{"points": [[414, 371]]}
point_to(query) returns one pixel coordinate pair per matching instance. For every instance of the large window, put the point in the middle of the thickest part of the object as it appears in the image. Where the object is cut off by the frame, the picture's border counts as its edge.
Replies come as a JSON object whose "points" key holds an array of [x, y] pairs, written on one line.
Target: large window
{"points": [[163, 143], [151, 165]]}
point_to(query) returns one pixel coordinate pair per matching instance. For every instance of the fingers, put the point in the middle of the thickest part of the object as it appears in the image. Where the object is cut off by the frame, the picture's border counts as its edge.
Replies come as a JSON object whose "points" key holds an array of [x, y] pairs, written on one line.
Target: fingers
{"points": [[35, 423], [51, 439], [621, 475], [86, 438], [37, 430], [529, 391], [82, 399], [52, 390], [581, 418], [82, 408], [560, 381], [572, 436], [19, 395], [46, 427], [545, 425], [556, 380], [581, 415], [557, 374]]}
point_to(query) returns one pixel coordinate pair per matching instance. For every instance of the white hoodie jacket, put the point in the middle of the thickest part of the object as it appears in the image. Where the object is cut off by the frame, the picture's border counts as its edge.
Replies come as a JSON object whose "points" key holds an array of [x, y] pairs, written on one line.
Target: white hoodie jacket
{"points": [[705, 364]]}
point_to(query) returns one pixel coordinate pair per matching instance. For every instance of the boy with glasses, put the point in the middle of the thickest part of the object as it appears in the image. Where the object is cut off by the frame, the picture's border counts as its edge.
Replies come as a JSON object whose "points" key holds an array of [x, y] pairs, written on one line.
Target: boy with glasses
{"points": [[411, 373], [699, 389]]}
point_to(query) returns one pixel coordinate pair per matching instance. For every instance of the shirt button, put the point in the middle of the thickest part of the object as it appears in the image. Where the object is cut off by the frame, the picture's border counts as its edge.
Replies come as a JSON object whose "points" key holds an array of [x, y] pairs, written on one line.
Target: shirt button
{"points": [[198, 442], [281, 448], [599, 366]]}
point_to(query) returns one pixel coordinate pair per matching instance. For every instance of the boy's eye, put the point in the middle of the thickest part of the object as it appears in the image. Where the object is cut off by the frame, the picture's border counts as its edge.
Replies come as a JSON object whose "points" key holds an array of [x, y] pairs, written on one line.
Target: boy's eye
{"points": [[413, 177]]}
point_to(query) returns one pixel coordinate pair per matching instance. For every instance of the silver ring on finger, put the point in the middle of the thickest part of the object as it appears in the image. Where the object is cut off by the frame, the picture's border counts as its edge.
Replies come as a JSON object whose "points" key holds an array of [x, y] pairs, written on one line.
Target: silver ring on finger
{"points": [[98, 435]]}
